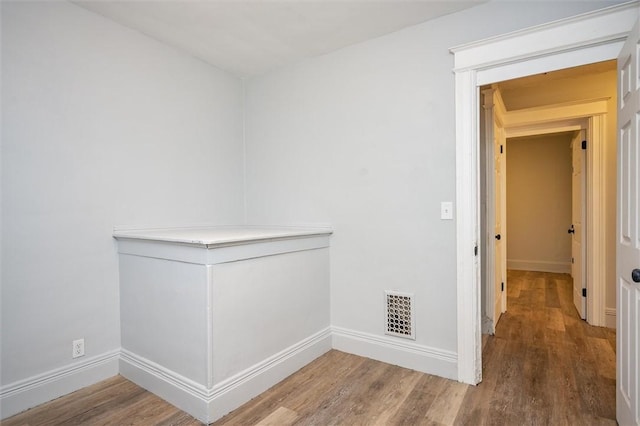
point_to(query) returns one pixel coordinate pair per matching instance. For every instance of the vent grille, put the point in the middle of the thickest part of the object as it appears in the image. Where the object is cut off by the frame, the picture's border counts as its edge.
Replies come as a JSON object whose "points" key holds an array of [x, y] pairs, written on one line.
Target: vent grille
{"points": [[400, 320]]}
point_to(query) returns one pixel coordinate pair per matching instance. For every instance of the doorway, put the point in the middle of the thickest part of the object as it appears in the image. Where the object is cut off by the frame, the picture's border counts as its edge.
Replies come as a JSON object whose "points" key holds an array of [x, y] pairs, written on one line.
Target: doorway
{"points": [[539, 203], [584, 109], [590, 38]]}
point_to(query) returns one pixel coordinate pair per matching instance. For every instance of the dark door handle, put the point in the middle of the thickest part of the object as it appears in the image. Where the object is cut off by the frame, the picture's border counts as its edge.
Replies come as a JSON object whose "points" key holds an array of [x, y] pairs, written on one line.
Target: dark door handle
{"points": [[635, 275], [498, 237], [571, 230]]}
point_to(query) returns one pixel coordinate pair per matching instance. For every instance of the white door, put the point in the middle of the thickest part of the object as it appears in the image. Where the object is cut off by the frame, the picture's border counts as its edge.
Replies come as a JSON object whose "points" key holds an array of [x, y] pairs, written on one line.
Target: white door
{"points": [[628, 234], [500, 234], [578, 194], [495, 178]]}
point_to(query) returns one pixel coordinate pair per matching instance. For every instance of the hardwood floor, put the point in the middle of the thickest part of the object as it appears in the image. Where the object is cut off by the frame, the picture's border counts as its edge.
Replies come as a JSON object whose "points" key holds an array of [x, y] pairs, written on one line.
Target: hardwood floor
{"points": [[544, 366], [115, 401]]}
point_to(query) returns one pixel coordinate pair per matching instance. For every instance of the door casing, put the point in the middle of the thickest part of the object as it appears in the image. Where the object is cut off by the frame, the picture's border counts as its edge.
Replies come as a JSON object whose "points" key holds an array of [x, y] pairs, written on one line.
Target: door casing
{"points": [[588, 116], [588, 38]]}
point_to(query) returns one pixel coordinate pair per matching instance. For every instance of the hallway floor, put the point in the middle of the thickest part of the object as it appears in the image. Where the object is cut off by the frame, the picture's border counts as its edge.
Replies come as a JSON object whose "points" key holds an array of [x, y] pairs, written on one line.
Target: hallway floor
{"points": [[544, 365]]}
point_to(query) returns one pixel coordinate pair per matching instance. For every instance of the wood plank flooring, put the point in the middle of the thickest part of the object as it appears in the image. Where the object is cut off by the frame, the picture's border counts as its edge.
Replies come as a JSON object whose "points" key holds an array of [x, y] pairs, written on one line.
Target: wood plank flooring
{"points": [[544, 366], [115, 401]]}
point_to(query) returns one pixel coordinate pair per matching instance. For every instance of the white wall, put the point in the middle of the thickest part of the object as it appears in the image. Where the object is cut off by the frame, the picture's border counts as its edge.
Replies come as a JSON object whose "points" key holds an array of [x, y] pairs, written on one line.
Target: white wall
{"points": [[364, 138], [102, 126], [539, 202]]}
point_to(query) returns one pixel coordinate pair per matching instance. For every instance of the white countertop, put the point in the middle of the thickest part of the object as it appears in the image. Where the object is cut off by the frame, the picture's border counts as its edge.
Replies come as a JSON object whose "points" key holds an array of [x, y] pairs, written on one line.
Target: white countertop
{"points": [[220, 235]]}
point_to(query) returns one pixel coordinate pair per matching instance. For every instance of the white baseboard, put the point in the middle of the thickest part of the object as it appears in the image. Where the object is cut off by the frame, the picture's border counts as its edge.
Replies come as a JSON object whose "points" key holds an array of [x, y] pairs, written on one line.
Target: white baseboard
{"points": [[208, 405], [539, 266], [397, 351], [610, 318], [24, 394]]}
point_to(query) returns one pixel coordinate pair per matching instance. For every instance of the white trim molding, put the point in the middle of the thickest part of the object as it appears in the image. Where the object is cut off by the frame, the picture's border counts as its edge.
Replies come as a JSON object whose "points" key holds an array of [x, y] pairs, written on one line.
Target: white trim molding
{"points": [[596, 221], [556, 118], [539, 265], [580, 40], [610, 321], [396, 351], [468, 229], [208, 404], [36, 390]]}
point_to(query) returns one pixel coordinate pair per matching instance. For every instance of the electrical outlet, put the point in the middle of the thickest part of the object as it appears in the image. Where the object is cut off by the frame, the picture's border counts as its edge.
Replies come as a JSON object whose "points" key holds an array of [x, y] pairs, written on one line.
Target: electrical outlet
{"points": [[77, 348]]}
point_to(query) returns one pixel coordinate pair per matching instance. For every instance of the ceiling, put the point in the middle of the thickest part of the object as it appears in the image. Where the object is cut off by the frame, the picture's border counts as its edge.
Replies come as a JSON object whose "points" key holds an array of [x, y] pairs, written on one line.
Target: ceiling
{"points": [[251, 37]]}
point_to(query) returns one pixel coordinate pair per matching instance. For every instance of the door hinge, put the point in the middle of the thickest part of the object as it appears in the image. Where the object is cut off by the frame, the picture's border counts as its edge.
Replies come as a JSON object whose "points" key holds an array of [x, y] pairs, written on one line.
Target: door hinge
{"points": [[501, 286], [584, 292], [501, 149], [475, 250], [584, 144], [572, 261]]}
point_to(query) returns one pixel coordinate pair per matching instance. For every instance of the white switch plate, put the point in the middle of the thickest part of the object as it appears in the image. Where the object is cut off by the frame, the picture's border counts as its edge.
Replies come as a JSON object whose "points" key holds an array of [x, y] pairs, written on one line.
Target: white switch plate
{"points": [[446, 210]]}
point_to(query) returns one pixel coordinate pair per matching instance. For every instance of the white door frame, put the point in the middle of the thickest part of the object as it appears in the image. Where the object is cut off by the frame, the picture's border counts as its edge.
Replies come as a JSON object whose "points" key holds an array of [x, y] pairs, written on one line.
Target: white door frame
{"points": [[580, 40], [590, 116]]}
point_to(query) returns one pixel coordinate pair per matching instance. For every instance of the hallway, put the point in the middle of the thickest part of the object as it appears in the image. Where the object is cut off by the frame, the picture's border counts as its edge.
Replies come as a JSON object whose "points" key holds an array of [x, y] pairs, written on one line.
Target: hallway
{"points": [[544, 365]]}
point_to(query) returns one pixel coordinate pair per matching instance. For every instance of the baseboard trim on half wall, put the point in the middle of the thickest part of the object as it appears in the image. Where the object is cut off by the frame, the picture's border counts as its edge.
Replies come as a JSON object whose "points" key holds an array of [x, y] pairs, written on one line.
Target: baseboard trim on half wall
{"points": [[395, 351], [210, 404], [28, 393], [539, 266]]}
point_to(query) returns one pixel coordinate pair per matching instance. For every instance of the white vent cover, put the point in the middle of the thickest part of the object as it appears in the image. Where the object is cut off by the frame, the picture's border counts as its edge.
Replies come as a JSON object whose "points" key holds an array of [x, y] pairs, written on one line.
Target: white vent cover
{"points": [[400, 320]]}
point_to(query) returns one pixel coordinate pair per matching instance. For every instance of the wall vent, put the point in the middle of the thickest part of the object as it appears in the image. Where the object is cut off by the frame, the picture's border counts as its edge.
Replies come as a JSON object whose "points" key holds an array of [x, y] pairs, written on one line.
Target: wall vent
{"points": [[400, 320]]}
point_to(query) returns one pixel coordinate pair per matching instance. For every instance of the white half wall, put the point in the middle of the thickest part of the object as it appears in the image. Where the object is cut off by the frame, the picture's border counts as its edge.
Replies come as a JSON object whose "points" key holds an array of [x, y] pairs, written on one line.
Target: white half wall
{"points": [[101, 126], [207, 332]]}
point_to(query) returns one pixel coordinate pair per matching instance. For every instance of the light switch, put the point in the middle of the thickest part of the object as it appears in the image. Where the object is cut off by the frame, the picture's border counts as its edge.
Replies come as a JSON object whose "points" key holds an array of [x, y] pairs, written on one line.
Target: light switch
{"points": [[446, 210]]}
